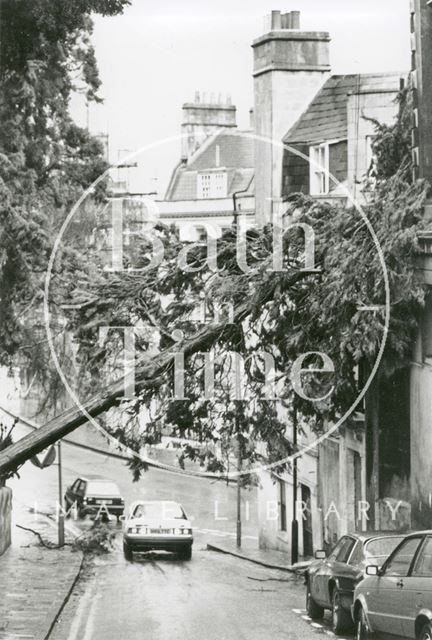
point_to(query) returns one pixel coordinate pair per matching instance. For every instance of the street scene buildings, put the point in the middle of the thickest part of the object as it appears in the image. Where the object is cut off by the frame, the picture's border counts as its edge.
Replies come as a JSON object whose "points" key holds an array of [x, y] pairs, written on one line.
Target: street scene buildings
{"points": [[218, 392]]}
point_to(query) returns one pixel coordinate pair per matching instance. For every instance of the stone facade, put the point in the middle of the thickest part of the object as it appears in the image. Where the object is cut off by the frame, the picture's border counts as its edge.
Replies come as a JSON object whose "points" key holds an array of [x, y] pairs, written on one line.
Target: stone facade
{"points": [[290, 66], [203, 118], [421, 433]]}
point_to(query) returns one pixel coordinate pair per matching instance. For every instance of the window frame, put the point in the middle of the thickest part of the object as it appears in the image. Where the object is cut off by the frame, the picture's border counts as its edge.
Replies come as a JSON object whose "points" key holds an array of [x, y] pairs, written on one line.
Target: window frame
{"points": [[359, 545], [319, 167], [212, 184], [334, 556], [389, 560], [418, 554]]}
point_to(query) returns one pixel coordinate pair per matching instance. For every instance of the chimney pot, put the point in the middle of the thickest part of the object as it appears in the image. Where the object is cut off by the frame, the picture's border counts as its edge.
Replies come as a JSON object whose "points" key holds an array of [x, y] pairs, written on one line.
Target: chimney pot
{"points": [[286, 21], [276, 21], [295, 19]]}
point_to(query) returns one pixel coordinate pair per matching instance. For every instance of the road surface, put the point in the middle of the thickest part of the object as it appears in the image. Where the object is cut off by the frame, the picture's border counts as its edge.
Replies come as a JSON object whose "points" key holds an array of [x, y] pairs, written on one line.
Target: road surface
{"points": [[213, 596]]}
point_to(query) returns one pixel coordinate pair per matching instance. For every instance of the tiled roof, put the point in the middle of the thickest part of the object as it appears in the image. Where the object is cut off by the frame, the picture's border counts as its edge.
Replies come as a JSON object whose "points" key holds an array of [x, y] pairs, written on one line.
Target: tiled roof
{"points": [[235, 153], [236, 150], [326, 116]]}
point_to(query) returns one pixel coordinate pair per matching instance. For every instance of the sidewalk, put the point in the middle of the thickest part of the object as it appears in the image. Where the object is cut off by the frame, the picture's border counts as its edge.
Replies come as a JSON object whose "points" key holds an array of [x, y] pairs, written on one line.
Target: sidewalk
{"points": [[35, 582], [264, 557]]}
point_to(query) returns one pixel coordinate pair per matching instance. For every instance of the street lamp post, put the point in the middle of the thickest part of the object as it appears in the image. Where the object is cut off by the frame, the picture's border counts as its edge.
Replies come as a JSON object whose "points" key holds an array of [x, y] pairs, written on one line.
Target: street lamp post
{"points": [[294, 522], [61, 523], [239, 466]]}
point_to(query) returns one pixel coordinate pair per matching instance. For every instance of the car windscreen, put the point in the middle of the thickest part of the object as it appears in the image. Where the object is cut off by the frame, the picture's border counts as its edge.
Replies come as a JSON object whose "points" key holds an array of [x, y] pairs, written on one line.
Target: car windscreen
{"points": [[159, 510], [381, 547], [96, 488]]}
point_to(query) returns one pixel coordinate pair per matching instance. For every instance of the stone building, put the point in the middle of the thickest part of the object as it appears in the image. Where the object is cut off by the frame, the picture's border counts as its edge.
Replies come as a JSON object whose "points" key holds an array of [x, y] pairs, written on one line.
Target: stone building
{"points": [[321, 128], [215, 176]]}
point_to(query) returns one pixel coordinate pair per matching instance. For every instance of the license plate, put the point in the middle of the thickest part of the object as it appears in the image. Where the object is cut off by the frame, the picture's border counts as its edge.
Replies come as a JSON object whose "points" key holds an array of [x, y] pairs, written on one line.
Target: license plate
{"points": [[160, 531], [103, 501]]}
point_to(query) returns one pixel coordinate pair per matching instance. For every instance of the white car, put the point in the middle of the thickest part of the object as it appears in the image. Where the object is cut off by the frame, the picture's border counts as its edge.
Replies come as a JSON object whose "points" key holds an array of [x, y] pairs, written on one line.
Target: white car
{"points": [[157, 525]]}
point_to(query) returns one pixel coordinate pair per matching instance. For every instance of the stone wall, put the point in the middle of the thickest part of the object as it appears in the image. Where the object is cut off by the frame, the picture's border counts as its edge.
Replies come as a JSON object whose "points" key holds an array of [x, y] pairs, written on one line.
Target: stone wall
{"points": [[421, 433], [5, 518]]}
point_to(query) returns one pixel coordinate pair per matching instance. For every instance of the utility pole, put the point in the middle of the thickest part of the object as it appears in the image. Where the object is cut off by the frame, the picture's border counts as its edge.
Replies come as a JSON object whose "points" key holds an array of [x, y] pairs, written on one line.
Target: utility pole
{"points": [[239, 467], [237, 421], [61, 523], [294, 522]]}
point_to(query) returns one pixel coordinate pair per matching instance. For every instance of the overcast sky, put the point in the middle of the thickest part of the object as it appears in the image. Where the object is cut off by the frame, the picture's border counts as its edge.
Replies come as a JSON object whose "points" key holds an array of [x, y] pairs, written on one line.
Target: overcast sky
{"points": [[155, 56]]}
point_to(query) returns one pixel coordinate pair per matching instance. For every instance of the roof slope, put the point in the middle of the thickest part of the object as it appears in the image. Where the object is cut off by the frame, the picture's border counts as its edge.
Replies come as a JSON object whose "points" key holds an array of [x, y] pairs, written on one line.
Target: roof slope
{"points": [[326, 116], [230, 150]]}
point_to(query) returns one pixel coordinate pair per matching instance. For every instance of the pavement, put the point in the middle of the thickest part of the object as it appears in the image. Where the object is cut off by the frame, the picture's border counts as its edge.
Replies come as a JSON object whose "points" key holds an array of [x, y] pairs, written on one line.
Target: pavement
{"points": [[35, 582], [265, 557]]}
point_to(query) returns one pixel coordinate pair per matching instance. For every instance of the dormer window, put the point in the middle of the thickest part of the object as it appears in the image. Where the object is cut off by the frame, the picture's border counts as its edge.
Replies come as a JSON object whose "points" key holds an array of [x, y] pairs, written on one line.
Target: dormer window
{"points": [[212, 185], [319, 170]]}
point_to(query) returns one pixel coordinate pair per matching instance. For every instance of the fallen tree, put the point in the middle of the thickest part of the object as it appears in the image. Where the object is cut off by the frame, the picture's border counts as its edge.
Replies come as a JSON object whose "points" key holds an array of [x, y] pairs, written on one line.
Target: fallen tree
{"points": [[148, 374]]}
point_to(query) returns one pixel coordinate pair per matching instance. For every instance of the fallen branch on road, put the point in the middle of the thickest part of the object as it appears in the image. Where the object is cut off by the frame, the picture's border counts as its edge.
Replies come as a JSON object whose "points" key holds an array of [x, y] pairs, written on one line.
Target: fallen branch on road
{"points": [[47, 545], [269, 579]]}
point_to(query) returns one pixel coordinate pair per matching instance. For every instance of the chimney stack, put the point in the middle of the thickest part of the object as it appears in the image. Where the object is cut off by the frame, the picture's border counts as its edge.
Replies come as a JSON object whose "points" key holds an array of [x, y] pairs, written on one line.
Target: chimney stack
{"points": [[290, 67], [202, 118]]}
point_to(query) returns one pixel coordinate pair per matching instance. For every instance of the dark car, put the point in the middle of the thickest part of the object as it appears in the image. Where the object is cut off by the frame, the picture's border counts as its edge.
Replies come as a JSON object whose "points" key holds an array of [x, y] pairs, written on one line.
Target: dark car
{"points": [[94, 496], [330, 582]]}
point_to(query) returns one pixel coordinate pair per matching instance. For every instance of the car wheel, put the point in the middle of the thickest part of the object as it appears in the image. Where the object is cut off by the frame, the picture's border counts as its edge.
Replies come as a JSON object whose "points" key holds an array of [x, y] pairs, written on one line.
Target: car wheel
{"points": [[426, 632], [186, 554], [362, 628], [313, 609], [341, 619], [127, 552]]}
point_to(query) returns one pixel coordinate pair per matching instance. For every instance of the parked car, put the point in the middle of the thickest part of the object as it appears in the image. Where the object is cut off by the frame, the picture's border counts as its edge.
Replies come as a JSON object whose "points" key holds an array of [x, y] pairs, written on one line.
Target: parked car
{"points": [[157, 525], [395, 597], [94, 496], [330, 581]]}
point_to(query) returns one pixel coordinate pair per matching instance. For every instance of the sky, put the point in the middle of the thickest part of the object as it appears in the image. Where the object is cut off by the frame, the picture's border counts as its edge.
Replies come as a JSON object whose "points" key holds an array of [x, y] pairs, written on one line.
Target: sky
{"points": [[155, 56]]}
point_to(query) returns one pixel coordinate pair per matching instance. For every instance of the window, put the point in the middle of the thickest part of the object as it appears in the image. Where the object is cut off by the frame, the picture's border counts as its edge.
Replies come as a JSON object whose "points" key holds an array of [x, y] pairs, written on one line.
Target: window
{"points": [[370, 155], [103, 489], [426, 334], [400, 562], [201, 234], [357, 555], [80, 489], [379, 549], [212, 185], [159, 511], [282, 505], [342, 550], [319, 170], [423, 565]]}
